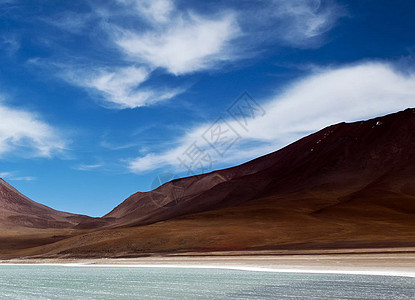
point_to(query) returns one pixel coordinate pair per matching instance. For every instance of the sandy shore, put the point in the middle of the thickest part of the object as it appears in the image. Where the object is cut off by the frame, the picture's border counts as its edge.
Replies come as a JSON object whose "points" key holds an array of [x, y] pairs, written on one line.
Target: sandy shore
{"points": [[378, 263]]}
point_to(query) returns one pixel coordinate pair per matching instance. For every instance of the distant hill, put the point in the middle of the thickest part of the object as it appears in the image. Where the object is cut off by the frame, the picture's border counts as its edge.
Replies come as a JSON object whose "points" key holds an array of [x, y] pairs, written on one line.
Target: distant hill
{"points": [[16, 210]]}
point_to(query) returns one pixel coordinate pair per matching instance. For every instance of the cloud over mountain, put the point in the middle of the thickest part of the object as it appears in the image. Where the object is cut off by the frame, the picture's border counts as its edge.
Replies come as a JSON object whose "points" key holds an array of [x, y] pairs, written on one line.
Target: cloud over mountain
{"points": [[328, 96]]}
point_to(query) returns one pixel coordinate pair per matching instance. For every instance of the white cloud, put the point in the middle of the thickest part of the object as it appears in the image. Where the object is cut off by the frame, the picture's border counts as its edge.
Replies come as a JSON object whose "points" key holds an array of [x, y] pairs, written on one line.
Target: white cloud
{"points": [[155, 11], [327, 97], [120, 88], [183, 41], [13, 177], [179, 41], [86, 167], [22, 130], [10, 43], [185, 45], [115, 83], [180, 38], [73, 22], [302, 22]]}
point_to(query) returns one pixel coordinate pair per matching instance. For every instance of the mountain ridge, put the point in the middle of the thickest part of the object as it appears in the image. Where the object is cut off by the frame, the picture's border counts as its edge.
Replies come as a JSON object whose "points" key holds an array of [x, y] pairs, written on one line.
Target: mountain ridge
{"points": [[347, 185], [250, 168]]}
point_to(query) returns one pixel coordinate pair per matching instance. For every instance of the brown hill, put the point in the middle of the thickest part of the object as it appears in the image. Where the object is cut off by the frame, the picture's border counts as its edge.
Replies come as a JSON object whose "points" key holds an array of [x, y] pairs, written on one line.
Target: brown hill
{"points": [[25, 223], [339, 157], [350, 185], [17, 210]]}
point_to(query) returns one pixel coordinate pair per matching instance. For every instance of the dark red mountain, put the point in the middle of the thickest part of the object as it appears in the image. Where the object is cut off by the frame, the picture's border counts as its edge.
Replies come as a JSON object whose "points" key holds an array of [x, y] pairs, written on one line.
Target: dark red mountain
{"points": [[350, 185], [352, 157]]}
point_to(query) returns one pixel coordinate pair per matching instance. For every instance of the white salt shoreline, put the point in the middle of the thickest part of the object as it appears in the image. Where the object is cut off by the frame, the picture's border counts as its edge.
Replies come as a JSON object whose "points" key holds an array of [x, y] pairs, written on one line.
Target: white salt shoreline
{"points": [[224, 267]]}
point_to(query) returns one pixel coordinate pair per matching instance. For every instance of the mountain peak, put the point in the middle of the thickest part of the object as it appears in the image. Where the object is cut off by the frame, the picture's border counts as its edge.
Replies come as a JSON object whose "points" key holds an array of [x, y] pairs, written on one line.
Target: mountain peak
{"points": [[334, 154], [349, 185]]}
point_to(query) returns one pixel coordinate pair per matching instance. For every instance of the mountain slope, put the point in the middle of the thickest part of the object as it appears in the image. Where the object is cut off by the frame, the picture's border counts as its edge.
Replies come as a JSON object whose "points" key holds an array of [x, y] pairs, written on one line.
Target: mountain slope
{"points": [[26, 224], [350, 185], [17, 210], [342, 156]]}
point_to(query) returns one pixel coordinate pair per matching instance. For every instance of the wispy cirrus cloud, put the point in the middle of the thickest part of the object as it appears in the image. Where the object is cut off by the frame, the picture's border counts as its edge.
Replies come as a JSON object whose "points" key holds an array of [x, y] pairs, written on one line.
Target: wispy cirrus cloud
{"points": [[184, 43], [178, 41], [301, 23], [118, 88], [72, 22], [153, 37], [88, 167], [156, 11], [13, 177], [22, 131], [10, 44], [326, 97]]}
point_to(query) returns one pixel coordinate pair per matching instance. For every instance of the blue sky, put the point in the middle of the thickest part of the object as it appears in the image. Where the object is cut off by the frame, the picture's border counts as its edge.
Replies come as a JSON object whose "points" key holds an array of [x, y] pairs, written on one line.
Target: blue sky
{"points": [[101, 99]]}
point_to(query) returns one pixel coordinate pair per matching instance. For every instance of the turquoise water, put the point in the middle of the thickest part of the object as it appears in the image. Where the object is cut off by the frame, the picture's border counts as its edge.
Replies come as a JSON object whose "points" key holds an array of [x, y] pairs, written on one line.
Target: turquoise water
{"points": [[63, 282]]}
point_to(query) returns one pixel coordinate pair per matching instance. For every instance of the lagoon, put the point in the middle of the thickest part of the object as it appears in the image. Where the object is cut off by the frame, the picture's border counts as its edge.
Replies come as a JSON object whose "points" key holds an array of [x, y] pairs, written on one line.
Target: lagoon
{"points": [[101, 282]]}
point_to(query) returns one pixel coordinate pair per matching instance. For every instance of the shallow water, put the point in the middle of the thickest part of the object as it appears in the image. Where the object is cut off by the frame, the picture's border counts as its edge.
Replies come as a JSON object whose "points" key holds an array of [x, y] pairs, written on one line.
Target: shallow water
{"points": [[68, 282]]}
